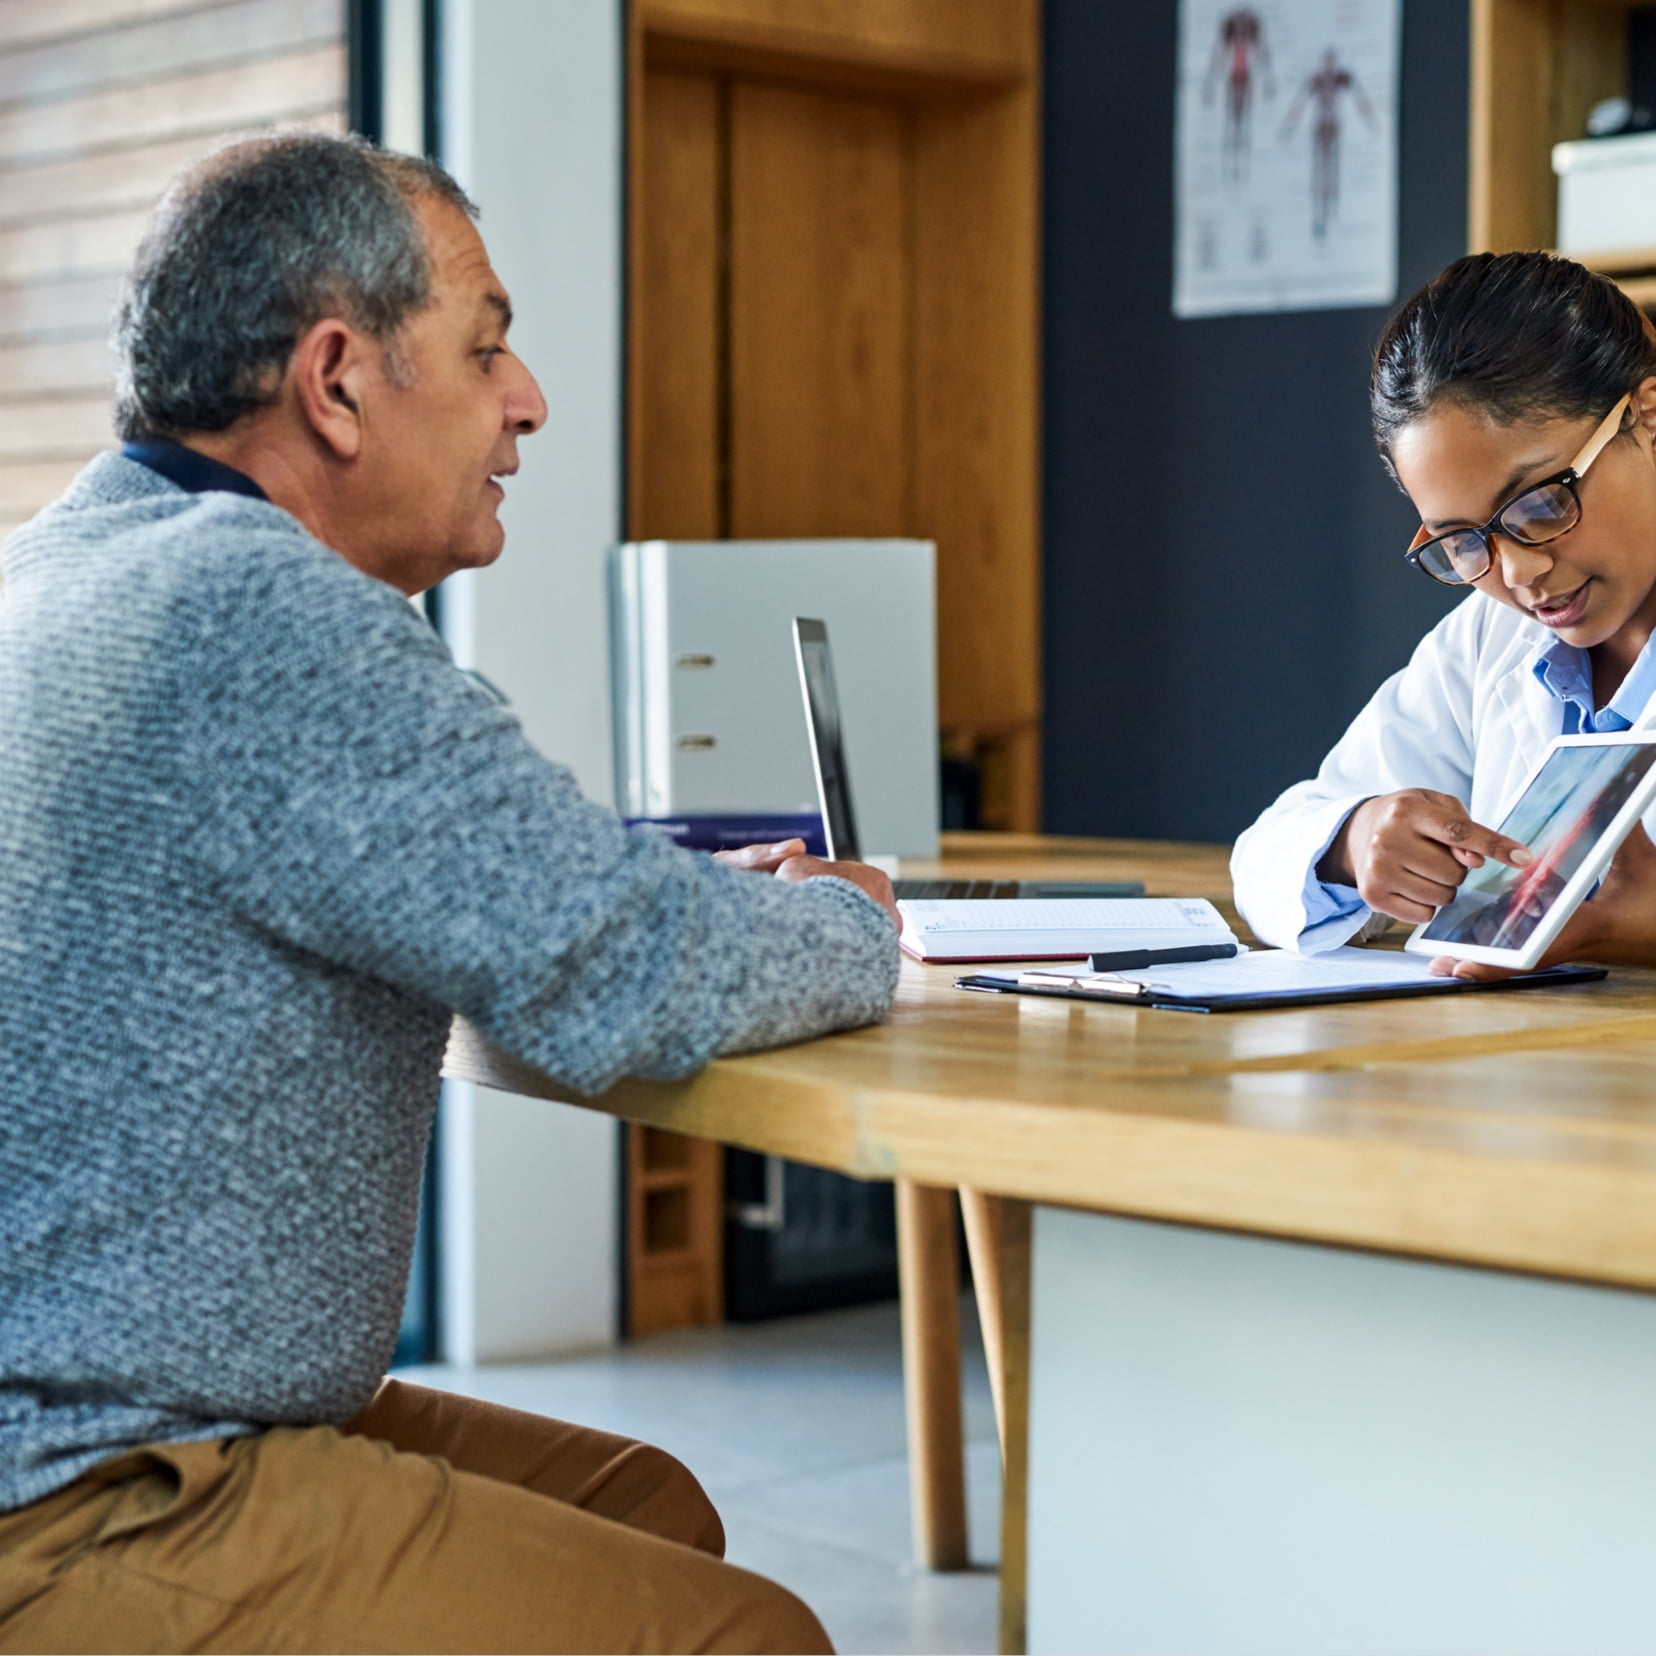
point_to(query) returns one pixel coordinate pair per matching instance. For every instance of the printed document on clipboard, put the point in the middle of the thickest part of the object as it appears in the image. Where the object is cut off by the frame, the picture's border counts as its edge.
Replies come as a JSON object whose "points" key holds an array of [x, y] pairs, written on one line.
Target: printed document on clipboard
{"points": [[1261, 979]]}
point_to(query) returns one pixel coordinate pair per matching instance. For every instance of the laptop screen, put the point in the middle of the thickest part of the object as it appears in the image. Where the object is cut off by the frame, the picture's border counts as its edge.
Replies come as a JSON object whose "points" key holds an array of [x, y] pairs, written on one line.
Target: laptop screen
{"points": [[822, 720]]}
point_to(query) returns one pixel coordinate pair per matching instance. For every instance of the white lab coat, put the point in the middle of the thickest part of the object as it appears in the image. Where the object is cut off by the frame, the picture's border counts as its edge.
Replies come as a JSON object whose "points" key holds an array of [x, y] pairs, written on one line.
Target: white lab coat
{"points": [[1466, 717]]}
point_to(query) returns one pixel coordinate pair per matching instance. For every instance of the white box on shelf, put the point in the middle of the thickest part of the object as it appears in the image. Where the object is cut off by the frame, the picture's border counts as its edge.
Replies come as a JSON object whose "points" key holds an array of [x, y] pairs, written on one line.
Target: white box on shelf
{"points": [[708, 716], [1606, 193]]}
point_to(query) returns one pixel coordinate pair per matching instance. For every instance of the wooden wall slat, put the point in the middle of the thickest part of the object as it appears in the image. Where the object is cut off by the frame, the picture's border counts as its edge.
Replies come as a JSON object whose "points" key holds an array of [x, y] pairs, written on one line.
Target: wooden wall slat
{"points": [[53, 367], [128, 176], [102, 104], [59, 246], [215, 98], [221, 35], [819, 290], [26, 486], [55, 428], [62, 304], [28, 22]]}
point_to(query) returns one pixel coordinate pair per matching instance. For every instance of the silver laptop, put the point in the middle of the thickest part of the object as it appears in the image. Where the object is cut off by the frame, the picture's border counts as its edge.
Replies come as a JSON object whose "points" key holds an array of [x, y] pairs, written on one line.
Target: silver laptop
{"points": [[839, 820]]}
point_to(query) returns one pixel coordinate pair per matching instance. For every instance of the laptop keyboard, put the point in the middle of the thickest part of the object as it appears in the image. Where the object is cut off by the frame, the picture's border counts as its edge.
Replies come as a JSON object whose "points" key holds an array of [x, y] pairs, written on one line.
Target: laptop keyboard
{"points": [[927, 889]]}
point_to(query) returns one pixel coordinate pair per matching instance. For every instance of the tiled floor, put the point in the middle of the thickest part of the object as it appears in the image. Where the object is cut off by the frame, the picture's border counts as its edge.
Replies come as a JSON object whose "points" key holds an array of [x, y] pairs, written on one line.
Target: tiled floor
{"points": [[795, 1428]]}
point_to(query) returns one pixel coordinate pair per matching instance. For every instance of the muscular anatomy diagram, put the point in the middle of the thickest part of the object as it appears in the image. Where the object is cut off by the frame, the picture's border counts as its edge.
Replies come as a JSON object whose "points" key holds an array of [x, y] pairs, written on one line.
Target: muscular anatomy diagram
{"points": [[1253, 76], [1322, 93], [1238, 49]]}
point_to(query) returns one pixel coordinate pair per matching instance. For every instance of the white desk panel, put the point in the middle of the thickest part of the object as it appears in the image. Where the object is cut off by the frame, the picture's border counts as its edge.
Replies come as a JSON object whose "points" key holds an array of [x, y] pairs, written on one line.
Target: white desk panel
{"points": [[1244, 1445]]}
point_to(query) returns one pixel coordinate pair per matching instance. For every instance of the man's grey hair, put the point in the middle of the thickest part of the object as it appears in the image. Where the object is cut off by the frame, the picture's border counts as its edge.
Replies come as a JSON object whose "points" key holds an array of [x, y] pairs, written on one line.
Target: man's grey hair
{"points": [[246, 251]]}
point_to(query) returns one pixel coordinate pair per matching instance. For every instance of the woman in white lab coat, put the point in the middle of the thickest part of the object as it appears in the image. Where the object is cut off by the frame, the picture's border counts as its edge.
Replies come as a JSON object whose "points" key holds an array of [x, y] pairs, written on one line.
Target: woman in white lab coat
{"points": [[1514, 400]]}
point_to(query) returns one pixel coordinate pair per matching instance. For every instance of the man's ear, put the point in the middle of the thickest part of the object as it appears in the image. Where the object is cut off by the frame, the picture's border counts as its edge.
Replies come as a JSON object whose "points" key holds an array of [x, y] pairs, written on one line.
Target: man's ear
{"points": [[329, 369]]}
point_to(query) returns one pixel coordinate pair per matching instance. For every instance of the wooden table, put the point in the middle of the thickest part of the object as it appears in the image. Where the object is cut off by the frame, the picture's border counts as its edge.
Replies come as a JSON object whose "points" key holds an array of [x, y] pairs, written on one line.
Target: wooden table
{"points": [[1507, 1133]]}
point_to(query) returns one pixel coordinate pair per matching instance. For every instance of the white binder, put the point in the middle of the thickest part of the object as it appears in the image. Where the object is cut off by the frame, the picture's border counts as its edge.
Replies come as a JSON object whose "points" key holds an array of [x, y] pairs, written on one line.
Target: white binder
{"points": [[708, 718]]}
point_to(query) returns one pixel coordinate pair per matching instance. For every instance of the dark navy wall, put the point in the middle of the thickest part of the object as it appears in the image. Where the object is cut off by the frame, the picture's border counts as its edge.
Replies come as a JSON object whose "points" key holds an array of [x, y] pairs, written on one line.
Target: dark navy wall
{"points": [[1224, 578]]}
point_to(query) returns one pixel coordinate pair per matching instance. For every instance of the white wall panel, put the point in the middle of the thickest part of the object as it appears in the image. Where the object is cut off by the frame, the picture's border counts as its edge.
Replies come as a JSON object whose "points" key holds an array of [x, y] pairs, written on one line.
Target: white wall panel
{"points": [[532, 127]]}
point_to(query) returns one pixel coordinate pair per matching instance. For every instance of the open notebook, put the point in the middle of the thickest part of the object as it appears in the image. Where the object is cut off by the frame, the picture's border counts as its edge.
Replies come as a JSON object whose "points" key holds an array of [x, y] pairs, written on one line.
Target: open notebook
{"points": [[1053, 928]]}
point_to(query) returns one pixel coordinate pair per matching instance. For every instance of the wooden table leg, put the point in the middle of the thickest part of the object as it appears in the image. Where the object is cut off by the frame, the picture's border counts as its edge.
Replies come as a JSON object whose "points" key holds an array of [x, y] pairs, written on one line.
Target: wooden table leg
{"points": [[929, 1267], [1014, 1305], [985, 1219]]}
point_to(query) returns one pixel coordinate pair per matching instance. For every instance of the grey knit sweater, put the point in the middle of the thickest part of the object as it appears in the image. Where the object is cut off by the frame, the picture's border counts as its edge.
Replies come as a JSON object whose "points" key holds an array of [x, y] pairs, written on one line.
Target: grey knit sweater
{"points": [[258, 839]]}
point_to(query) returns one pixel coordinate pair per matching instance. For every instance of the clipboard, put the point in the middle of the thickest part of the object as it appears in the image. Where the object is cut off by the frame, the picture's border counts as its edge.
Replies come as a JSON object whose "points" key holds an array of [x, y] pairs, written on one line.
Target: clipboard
{"points": [[1263, 980]]}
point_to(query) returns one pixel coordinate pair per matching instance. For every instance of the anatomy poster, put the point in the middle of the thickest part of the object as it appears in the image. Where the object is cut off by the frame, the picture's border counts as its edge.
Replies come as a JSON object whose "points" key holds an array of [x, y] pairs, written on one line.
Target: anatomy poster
{"points": [[1285, 162]]}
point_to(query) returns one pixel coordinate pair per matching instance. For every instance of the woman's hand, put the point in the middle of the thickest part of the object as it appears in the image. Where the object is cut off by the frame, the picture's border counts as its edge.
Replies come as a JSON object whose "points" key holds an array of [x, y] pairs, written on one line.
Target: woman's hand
{"points": [[1407, 852], [1614, 927]]}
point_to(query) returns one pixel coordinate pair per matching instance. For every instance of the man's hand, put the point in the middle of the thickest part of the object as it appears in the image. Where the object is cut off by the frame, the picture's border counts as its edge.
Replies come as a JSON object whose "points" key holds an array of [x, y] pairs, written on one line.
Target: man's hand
{"points": [[788, 860], [1614, 927], [762, 859], [1407, 852], [869, 879]]}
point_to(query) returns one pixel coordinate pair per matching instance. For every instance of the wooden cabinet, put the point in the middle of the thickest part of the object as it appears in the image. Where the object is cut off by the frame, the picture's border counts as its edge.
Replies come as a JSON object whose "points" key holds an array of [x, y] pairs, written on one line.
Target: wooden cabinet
{"points": [[675, 1223], [832, 310], [1538, 67], [832, 330]]}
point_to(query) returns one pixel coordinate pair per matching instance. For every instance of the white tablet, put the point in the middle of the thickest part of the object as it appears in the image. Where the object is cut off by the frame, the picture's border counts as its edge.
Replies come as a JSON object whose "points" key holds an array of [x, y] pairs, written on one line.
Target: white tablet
{"points": [[1575, 809]]}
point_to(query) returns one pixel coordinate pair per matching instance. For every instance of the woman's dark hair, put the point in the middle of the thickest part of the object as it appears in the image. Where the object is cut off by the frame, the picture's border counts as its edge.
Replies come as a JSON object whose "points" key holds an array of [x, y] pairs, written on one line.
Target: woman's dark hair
{"points": [[1514, 336]]}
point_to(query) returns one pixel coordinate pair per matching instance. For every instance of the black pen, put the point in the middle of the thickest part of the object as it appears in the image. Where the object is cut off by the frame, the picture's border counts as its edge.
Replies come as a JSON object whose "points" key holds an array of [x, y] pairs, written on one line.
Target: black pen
{"points": [[1136, 960]]}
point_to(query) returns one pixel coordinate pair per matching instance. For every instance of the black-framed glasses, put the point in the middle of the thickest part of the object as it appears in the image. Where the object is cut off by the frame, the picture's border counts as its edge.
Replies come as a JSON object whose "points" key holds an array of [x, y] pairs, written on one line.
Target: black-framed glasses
{"points": [[1535, 515]]}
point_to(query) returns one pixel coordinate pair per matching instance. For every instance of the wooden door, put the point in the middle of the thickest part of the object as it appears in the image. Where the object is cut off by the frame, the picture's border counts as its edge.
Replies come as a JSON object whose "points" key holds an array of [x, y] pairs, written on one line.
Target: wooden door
{"points": [[832, 331]]}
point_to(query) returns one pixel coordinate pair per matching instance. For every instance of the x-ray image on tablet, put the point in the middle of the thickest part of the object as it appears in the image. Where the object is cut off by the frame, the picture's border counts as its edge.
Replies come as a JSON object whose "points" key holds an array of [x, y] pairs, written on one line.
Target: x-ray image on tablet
{"points": [[1578, 805]]}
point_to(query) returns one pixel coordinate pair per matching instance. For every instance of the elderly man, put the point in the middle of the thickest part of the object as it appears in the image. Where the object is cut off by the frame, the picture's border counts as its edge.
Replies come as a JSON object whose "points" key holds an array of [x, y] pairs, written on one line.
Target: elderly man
{"points": [[258, 841]]}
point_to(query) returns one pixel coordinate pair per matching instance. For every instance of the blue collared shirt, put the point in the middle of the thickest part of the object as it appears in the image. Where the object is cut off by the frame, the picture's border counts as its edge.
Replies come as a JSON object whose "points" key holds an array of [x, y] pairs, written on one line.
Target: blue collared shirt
{"points": [[193, 471], [1565, 672]]}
